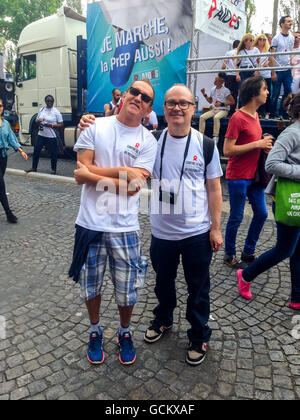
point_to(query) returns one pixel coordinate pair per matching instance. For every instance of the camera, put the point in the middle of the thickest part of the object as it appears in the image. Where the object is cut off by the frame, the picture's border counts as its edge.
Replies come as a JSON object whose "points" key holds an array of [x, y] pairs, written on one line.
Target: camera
{"points": [[167, 197]]}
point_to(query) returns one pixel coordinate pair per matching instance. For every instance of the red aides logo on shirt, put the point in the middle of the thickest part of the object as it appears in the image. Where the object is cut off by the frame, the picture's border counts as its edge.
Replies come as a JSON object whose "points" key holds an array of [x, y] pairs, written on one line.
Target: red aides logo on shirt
{"points": [[195, 158], [137, 145]]}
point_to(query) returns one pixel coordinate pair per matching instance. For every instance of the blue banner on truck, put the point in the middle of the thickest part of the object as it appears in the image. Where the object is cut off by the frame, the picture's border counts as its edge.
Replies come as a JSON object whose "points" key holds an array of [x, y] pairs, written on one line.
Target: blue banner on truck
{"points": [[135, 39]]}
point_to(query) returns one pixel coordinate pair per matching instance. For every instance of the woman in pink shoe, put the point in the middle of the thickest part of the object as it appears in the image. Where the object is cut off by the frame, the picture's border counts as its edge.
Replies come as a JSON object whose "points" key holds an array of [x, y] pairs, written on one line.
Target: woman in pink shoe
{"points": [[284, 161]]}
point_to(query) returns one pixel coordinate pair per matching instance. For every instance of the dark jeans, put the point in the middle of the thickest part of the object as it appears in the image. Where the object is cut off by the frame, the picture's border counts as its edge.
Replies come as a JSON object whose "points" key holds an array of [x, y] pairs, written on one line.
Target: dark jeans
{"points": [[266, 108], [3, 196], [239, 190], [283, 77], [196, 256], [287, 246], [233, 86], [40, 143]]}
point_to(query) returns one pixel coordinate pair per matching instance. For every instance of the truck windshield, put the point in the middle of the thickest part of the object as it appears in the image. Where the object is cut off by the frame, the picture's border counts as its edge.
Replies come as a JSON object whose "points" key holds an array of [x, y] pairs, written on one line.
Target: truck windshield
{"points": [[28, 68]]}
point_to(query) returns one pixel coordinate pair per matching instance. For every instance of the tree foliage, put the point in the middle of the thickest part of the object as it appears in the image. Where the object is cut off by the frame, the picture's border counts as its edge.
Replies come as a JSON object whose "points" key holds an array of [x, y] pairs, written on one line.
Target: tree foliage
{"points": [[16, 14], [292, 8], [250, 12]]}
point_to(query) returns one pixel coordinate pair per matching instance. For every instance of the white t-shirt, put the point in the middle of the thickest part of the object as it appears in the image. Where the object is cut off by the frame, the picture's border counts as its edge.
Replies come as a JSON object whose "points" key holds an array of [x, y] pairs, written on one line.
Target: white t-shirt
{"points": [[49, 116], [283, 43], [114, 145], [152, 119], [190, 215], [231, 63], [220, 95], [266, 74], [296, 62], [250, 62]]}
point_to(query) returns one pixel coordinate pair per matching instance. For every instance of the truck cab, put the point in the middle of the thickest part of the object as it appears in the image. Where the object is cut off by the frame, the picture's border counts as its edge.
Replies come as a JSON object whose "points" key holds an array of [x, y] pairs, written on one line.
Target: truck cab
{"points": [[47, 64]]}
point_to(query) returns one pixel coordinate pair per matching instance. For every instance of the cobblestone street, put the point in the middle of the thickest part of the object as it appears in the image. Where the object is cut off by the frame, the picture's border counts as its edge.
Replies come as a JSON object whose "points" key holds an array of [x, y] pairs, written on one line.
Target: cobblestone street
{"points": [[252, 353]]}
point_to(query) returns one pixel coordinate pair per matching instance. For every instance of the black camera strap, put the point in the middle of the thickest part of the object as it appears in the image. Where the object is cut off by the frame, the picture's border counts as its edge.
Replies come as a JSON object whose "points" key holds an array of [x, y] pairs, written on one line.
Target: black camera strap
{"points": [[184, 156]]}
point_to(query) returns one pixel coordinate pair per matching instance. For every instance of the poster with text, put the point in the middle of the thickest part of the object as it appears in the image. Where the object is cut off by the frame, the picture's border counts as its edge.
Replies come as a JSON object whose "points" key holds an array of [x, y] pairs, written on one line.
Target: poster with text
{"points": [[222, 19], [135, 39]]}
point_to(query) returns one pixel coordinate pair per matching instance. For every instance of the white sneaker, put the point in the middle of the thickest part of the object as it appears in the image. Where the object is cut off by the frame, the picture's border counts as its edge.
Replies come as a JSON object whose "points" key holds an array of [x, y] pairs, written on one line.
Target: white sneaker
{"points": [[216, 139]]}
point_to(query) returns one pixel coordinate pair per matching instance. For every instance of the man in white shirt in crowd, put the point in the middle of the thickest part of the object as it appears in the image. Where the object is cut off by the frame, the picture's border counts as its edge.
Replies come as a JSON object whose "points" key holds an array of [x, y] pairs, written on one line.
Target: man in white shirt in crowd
{"points": [[231, 82], [115, 156], [221, 99], [150, 121], [282, 42], [112, 108], [185, 218]]}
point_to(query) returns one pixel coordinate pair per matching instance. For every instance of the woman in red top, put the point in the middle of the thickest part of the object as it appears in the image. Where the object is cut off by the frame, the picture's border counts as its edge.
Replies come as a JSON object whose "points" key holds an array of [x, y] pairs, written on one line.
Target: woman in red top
{"points": [[243, 144]]}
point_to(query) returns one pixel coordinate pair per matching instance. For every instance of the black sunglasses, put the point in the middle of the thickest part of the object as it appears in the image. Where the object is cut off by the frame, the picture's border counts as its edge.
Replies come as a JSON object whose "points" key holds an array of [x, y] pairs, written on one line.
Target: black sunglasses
{"points": [[136, 92]]}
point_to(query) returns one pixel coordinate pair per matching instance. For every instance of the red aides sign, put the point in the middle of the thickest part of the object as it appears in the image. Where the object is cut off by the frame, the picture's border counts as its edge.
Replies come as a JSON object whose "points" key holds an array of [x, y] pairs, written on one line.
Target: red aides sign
{"points": [[220, 19]]}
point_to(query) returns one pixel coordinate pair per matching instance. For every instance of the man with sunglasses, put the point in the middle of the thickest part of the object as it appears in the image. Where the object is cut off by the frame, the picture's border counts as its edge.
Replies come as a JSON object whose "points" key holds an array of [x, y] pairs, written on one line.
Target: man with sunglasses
{"points": [[282, 42], [115, 156], [186, 206]]}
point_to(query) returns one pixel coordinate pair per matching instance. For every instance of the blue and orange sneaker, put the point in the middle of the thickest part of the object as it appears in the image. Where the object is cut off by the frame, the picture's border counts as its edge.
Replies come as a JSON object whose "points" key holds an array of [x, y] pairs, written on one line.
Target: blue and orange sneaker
{"points": [[95, 353], [127, 354]]}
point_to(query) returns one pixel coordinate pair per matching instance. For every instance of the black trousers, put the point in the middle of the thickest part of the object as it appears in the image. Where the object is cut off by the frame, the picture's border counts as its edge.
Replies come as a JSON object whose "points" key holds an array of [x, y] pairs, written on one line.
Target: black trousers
{"points": [[3, 196], [196, 255]]}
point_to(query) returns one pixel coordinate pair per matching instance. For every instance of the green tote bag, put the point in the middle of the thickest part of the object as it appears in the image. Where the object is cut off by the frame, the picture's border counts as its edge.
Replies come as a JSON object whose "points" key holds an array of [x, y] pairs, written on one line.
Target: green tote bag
{"points": [[287, 202]]}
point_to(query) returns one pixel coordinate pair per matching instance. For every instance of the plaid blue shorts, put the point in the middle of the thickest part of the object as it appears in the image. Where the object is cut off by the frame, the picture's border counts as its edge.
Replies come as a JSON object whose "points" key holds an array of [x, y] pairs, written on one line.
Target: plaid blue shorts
{"points": [[123, 251]]}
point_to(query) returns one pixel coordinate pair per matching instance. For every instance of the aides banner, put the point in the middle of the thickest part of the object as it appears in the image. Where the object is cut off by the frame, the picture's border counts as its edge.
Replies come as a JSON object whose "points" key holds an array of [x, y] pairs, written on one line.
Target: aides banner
{"points": [[222, 19], [134, 39]]}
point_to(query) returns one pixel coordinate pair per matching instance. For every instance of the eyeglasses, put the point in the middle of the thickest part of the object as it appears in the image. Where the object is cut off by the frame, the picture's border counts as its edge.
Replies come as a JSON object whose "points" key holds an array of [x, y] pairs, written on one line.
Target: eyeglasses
{"points": [[136, 92], [262, 39], [249, 40], [182, 104]]}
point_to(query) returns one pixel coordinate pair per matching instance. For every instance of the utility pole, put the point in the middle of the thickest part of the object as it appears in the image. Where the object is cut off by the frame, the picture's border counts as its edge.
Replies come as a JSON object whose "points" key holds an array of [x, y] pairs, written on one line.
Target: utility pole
{"points": [[275, 17]]}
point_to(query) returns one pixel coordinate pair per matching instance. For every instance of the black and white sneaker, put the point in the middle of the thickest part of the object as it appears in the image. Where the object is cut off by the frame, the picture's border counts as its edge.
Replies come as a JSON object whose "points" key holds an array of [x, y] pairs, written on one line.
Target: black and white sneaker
{"points": [[155, 331], [196, 354], [248, 259]]}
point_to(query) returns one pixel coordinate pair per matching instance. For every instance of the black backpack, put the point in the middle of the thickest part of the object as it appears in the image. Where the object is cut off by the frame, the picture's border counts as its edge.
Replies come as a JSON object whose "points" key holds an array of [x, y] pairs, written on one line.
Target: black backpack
{"points": [[208, 148]]}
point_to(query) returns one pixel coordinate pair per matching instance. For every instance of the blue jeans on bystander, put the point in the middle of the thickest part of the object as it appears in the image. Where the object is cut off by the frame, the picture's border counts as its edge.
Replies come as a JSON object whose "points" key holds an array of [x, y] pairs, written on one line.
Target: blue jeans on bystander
{"points": [[239, 190], [287, 246]]}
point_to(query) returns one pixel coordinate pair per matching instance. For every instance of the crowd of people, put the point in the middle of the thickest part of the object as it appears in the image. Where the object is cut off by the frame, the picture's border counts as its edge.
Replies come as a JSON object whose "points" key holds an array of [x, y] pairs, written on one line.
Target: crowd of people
{"points": [[280, 82], [186, 201], [184, 232]]}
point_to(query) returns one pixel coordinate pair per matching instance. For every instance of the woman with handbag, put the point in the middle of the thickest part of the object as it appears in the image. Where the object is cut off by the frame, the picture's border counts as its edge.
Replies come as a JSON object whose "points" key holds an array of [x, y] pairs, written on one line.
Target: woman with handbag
{"points": [[247, 49], [283, 161], [48, 119], [7, 140]]}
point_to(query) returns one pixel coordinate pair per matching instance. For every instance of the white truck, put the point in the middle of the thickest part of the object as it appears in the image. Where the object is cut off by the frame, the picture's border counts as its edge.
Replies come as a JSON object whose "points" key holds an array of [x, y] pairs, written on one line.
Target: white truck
{"points": [[47, 64]]}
